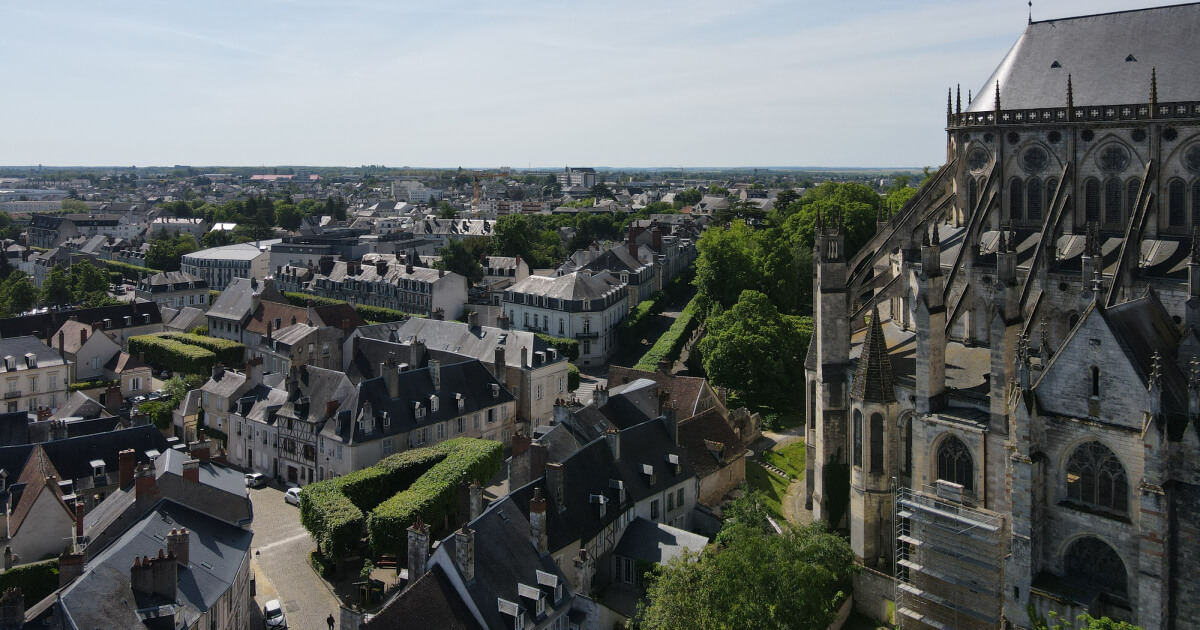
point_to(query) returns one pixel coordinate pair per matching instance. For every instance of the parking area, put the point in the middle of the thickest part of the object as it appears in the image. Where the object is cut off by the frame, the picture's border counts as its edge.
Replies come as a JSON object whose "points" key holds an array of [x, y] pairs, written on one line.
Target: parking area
{"points": [[281, 547]]}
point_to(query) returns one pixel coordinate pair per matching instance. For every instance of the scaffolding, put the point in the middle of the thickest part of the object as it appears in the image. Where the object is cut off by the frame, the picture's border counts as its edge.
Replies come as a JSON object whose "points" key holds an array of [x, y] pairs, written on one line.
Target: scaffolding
{"points": [[949, 561]]}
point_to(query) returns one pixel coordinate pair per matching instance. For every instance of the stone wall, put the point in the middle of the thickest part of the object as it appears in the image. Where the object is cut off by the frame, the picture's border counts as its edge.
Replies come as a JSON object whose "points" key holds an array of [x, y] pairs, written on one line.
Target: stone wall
{"points": [[874, 595]]}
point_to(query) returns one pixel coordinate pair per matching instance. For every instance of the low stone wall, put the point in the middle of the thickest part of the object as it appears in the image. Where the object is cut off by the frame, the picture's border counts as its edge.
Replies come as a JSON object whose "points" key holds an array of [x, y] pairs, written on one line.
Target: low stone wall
{"points": [[843, 614], [874, 595]]}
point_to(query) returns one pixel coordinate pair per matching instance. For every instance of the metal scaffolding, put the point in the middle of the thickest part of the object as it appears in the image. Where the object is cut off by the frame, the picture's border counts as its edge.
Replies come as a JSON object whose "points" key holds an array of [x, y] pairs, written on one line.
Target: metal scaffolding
{"points": [[949, 561]]}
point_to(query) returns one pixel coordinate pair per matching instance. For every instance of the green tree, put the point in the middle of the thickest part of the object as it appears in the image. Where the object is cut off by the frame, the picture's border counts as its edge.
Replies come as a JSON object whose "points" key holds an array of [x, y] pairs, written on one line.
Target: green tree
{"points": [[795, 580], [724, 266], [688, 197], [1082, 622], [18, 293], [601, 191], [754, 350], [57, 288], [786, 198], [445, 210], [514, 235], [75, 205], [215, 238], [287, 216], [456, 258], [86, 278]]}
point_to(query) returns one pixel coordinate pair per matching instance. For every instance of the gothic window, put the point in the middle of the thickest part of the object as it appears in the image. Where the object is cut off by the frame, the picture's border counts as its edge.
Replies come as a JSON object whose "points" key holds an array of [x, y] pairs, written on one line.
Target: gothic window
{"points": [[1051, 189], [1175, 197], [1096, 477], [1112, 201], [977, 159], [1033, 194], [876, 443], [1095, 374], [812, 405], [1191, 159], [972, 192], [1113, 159], [858, 438], [1094, 563], [1196, 202], [1016, 199], [1132, 190], [954, 463], [1091, 200], [1034, 160], [908, 445]]}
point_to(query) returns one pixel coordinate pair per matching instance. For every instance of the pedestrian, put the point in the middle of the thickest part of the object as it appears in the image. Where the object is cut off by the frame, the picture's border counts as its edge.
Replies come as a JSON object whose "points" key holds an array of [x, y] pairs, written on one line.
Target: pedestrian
{"points": [[329, 621]]}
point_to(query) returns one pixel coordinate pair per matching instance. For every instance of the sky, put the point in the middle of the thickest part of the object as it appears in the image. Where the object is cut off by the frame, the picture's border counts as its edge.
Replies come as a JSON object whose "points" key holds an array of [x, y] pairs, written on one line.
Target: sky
{"points": [[483, 83]]}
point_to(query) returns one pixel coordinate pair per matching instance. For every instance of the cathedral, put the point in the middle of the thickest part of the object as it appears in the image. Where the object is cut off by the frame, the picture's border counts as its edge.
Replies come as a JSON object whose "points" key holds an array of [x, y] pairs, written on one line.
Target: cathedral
{"points": [[1003, 387]]}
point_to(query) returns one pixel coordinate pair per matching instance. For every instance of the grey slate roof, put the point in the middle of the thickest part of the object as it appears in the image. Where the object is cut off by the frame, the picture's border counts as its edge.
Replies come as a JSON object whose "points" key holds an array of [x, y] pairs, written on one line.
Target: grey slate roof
{"points": [[43, 324], [573, 286], [1093, 49], [873, 377], [654, 542], [430, 602], [219, 477]]}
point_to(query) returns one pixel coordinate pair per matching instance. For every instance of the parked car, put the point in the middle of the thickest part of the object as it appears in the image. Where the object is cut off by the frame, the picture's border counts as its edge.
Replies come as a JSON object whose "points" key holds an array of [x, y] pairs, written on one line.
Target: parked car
{"points": [[255, 480], [273, 616], [292, 496]]}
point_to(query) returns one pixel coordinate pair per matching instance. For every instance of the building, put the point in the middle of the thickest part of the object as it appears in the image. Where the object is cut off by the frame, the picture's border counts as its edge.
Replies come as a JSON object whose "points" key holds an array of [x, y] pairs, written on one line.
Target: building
{"points": [[307, 251], [1014, 346], [381, 280], [86, 351], [174, 289], [438, 232], [577, 305], [172, 225], [34, 376], [220, 265], [119, 322], [577, 177], [501, 272]]}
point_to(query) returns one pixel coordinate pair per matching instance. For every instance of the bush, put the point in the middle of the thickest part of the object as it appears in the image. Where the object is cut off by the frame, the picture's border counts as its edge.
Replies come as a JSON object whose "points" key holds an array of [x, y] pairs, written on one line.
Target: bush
{"points": [[322, 565], [128, 271], [373, 314], [434, 495], [100, 382], [567, 347], [229, 353], [36, 581], [634, 326], [334, 522], [670, 344], [199, 330], [172, 355], [572, 377]]}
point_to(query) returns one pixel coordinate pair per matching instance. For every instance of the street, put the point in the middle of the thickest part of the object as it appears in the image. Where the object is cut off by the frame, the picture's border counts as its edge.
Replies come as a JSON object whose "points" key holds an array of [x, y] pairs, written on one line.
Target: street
{"points": [[282, 571]]}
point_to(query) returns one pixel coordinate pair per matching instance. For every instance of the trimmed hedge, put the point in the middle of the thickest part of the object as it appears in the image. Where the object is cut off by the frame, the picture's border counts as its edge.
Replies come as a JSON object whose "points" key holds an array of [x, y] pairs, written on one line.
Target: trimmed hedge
{"points": [[229, 353], [572, 377], [100, 382], [434, 495], [322, 565], [566, 347], [419, 482], [671, 343], [173, 355], [631, 329], [36, 581], [373, 314], [128, 271]]}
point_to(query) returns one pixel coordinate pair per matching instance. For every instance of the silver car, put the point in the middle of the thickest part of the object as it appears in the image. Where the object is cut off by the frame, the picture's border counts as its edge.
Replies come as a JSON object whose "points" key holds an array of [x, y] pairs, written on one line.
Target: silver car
{"points": [[273, 617]]}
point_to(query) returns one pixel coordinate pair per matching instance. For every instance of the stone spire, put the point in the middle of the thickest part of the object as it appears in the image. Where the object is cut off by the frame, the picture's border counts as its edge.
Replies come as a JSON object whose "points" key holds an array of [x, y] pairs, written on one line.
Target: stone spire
{"points": [[1153, 88], [949, 102], [997, 101], [873, 378], [934, 238], [1196, 244], [1070, 99], [958, 97]]}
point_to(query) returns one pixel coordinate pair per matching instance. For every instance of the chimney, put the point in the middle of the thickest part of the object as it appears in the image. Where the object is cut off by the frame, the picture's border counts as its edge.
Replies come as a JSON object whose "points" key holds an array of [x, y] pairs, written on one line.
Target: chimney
{"points": [[520, 444], [70, 566], [8, 558], [78, 521], [554, 483], [418, 550], [502, 321], [664, 365], [254, 372], [473, 319], [178, 546], [218, 372], [476, 494], [330, 408], [201, 448], [435, 373], [657, 235], [191, 470], [270, 328], [439, 314], [391, 375], [500, 367], [61, 342], [112, 400], [613, 438], [524, 357], [537, 522], [145, 485], [600, 396], [165, 571], [562, 412], [633, 248], [464, 553], [585, 568], [127, 464], [538, 456], [12, 608], [141, 576], [671, 420], [83, 335]]}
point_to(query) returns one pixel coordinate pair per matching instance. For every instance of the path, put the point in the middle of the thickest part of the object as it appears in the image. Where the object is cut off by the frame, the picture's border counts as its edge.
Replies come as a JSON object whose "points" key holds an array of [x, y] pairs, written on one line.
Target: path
{"points": [[792, 502]]}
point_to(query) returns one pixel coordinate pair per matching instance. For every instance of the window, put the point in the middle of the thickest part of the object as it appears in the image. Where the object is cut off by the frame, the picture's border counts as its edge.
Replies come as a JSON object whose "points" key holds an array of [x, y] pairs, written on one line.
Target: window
{"points": [[1112, 201], [53, 381], [587, 325], [460, 425], [1131, 195], [1091, 200], [32, 384], [679, 497], [858, 438], [954, 463], [1196, 202], [560, 326], [477, 421], [587, 347], [972, 192], [1033, 196], [908, 445], [1175, 197], [95, 363], [387, 446], [654, 510], [876, 443], [491, 415], [441, 431], [1016, 199], [538, 396], [1051, 189], [670, 501], [1094, 563], [812, 405], [1096, 477], [1095, 374]]}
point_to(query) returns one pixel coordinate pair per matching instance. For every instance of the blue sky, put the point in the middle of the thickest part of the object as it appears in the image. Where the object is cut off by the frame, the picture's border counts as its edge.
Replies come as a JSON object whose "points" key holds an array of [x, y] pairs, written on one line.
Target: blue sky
{"points": [[486, 83]]}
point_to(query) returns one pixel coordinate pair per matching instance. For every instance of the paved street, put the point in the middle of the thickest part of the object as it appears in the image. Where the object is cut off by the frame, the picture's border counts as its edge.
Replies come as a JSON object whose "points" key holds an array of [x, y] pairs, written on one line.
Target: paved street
{"points": [[281, 557]]}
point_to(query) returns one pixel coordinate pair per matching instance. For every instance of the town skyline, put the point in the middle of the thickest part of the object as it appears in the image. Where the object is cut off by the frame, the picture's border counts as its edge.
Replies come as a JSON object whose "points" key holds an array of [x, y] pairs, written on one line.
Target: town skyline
{"points": [[694, 85]]}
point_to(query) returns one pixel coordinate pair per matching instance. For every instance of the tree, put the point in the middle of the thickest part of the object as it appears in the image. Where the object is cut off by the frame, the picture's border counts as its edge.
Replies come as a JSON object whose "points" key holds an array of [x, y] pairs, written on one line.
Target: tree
{"points": [[796, 580], [75, 205], [445, 210], [456, 258], [1082, 622], [601, 191], [18, 293], [724, 266], [754, 350], [688, 197], [287, 216], [57, 288], [86, 278], [786, 198]]}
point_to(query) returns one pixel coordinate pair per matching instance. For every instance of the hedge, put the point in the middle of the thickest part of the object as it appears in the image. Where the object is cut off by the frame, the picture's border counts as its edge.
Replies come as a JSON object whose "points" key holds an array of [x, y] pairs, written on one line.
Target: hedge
{"points": [[36, 581], [100, 382], [322, 565], [333, 510], [572, 377], [434, 495], [639, 319], [229, 353], [373, 314], [173, 355], [128, 271], [566, 347], [671, 343]]}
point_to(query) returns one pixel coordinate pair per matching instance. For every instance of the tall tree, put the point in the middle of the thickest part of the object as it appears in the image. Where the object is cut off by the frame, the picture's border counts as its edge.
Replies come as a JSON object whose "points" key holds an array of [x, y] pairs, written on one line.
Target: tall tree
{"points": [[18, 293], [57, 287], [86, 278], [456, 258], [754, 350]]}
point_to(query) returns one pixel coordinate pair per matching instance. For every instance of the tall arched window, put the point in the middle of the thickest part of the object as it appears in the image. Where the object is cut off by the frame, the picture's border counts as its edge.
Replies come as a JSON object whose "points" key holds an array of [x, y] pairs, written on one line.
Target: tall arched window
{"points": [[812, 405], [1175, 199], [1132, 189], [1094, 563], [908, 445], [1196, 202], [858, 438], [1016, 200], [972, 192], [1112, 201], [1051, 190], [1033, 197], [1095, 374], [1096, 477], [1091, 200], [954, 463], [876, 443]]}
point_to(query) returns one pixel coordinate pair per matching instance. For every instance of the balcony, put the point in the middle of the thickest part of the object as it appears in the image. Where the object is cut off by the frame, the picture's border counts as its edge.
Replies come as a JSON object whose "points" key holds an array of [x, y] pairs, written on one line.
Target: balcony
{"points": [[12, 394], [587, 335]]}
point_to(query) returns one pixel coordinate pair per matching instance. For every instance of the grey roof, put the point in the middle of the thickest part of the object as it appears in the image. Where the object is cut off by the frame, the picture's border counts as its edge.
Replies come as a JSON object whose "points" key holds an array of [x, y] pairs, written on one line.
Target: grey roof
{"points": [[572, 286], [70, 456], [102, 597], [873, 377], [219, 477], [290, 335], [171, 281], [654, 542], [43, 324], [429, 602], [78, 405], [18, 347], [240, 251], [237, 300], [1093, 50], [228, 386], [477, 342]]}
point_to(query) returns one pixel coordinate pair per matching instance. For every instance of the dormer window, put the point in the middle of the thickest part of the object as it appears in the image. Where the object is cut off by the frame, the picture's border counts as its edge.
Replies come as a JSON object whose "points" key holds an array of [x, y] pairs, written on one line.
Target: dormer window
{"points": [[673, 460], [433, 403], [648, 470], [418, 410], [600, 500], [495, 390], [107, 323], [30, 360], [461, 402]]}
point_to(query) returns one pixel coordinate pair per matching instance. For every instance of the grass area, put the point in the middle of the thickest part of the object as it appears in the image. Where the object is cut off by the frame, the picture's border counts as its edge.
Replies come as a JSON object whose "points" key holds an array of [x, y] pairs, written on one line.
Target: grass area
{"points": [[773, 487], [789, 459]]}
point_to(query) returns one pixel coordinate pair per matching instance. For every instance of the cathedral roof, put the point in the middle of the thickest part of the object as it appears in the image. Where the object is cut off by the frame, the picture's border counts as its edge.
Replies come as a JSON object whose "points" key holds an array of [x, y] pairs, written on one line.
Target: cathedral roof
{"points": [[873, 378], [1109, 58]]}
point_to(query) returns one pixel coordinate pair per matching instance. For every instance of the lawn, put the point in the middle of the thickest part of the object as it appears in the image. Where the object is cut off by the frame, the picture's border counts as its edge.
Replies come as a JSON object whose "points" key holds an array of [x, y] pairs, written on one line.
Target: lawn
{"points": [[773, 487], [789, 459]]}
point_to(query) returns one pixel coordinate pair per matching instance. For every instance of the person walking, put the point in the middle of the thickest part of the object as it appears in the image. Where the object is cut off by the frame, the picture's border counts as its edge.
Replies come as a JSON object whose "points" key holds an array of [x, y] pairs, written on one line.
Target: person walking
{"points": [[329, 621]]}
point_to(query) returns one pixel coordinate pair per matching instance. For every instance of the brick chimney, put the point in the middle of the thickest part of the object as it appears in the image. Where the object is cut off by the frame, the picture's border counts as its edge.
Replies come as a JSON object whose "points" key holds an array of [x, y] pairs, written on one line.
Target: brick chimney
{"points": [[62, 342], [145, 484], [70, 566], [391, 375], [191, 470], [554, 483], [12, 607], [501, 367], [464, 553], [254, 372], [112, 400], [155, 576], [418, 550], [201, 449], [178, 545], [127, 465], [78, 521], [537, 522], [585, 569]]}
